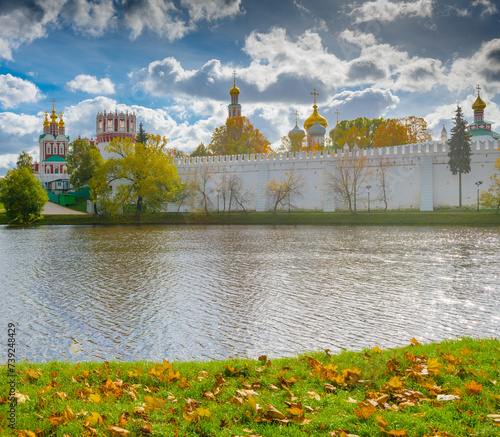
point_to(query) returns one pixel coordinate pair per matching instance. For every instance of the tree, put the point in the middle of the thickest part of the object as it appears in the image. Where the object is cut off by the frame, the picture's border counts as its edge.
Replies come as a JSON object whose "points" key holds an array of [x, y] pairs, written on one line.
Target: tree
{"points": [[281, 192], [359, 131], [232, 191], [202, 185], [201, 150], [25, 161], [459, 150], [384, 180], [490, 198], [22, 195], [148, 175], [349, 177], [390, 133], [183, 194], [238, 136], [142, 136], [83, 159], [416, 129]]}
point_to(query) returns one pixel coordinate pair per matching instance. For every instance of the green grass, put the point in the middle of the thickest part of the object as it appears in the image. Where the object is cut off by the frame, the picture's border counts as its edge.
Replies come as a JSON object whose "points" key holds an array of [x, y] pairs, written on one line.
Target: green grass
{"points": [[80, 204], [314, 394], [392, 218]]}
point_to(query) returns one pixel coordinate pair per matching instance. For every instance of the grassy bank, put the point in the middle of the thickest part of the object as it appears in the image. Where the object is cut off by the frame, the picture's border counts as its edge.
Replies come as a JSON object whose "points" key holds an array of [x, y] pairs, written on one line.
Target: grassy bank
{"points": [[440, 389], [392, 218]]}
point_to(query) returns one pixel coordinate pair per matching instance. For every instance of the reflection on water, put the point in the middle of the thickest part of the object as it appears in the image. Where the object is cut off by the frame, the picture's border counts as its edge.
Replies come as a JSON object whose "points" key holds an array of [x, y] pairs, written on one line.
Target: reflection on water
{"points": [[154, 292]]}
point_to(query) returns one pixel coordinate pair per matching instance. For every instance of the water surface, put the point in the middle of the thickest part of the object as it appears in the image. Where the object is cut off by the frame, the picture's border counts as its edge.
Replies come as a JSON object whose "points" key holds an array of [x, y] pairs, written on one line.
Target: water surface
{"points": [[196, 292]]}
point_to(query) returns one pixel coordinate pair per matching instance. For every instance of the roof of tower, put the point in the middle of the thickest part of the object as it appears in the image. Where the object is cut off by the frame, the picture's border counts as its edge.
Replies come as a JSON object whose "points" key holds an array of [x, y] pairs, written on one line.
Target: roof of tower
{"points": [[61, 121], [478, 105], [296, 131], [234, 90], [46, 121], [317, 129], [313, 118]]}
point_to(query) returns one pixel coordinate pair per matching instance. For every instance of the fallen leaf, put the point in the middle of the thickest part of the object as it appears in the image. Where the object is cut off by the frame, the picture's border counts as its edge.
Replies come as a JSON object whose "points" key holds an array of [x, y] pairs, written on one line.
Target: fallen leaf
{"points": [[473, 388], [116, 431], [365, 410], [313, 395], [95, 418]]}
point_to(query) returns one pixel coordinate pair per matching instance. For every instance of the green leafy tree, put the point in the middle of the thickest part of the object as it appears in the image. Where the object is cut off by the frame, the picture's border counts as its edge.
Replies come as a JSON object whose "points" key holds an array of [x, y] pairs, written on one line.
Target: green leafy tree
{"points": [[238, 136], [201, 150], [360, 131], [22, 195], [459, 150], [83, 160], [144, 174], [25, 161], [142, 136]]}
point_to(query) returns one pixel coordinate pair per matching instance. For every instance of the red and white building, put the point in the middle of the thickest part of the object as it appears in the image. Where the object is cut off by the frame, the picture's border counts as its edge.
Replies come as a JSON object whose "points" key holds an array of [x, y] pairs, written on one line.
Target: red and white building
{"points": [[111, 125], [53, 145]]}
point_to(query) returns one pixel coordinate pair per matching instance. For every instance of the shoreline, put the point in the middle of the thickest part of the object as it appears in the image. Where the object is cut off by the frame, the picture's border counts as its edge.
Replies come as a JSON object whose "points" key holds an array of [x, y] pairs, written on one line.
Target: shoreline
{"points": [[448, 387], [484, 218]]}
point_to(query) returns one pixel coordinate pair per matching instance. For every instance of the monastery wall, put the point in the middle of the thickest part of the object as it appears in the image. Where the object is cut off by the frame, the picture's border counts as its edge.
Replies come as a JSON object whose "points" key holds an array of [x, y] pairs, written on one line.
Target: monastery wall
{"points": [[419, 177]]}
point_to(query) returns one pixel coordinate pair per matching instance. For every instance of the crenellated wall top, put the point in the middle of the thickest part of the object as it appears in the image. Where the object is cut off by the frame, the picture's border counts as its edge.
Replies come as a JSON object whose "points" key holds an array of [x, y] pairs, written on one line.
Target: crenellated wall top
{"points": [[430, 148]]}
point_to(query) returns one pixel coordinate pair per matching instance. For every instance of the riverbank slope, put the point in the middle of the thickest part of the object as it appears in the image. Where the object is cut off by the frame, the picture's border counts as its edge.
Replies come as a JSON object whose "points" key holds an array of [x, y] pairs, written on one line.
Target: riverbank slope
{"points": [[378, 218], [450, 388]]}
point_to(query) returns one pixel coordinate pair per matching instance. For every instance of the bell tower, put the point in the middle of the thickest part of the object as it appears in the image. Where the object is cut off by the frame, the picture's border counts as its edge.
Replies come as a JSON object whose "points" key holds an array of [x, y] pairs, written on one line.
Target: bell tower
{"points": [[234, 109]]}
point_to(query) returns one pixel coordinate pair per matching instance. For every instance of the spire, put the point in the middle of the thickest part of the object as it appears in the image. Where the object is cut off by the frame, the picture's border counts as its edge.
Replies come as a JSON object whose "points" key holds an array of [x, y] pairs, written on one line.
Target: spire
{"points": [[315, 117], [234, 90], [53, 116], [478, 105], [444, 135], [234, 109], [61, 121], [46, 121]]}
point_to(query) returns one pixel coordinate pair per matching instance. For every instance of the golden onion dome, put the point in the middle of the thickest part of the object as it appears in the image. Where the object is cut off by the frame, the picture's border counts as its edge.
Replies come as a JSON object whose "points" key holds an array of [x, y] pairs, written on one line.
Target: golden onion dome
{"points": [[234, 90], [46, 121], [53, 116], [315, 117], [479, 105], [61, 121]]}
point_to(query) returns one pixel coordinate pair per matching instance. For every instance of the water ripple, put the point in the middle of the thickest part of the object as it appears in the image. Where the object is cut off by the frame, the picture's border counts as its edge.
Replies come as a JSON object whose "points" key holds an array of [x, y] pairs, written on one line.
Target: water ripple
{"points": [[203, 293]]}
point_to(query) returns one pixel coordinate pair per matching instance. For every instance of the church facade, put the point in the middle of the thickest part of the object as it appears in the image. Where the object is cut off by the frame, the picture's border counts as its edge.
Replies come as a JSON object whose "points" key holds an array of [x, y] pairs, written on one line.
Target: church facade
{"points": [[53, 144]]}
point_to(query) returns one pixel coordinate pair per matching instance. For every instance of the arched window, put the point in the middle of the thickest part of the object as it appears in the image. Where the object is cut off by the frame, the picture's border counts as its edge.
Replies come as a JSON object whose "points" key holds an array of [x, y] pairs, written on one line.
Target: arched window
{"points": [[61, 149], [48, 149]]}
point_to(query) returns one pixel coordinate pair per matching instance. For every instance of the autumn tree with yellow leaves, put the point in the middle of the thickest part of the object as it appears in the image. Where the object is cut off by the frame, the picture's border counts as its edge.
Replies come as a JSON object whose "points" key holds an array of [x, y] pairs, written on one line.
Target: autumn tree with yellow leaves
{"points": [[349, 178], [490, 198], [144, 175], [282, 192], [238, 136]]}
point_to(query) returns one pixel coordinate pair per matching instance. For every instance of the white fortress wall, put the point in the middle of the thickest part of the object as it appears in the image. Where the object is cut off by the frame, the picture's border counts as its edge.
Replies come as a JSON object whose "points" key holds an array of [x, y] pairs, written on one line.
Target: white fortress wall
{"points": [[419, 176]]}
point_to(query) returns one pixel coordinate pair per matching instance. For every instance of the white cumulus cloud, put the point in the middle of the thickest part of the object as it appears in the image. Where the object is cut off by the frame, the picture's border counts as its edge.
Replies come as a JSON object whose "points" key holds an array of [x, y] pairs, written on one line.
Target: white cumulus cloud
{"points": [[91, 85], [92, 18], [14, 91], [386, 10]]}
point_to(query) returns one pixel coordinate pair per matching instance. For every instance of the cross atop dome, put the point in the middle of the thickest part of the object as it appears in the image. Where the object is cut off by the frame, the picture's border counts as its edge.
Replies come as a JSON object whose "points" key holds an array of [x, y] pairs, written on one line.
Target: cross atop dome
{"points": [[315, 94]]}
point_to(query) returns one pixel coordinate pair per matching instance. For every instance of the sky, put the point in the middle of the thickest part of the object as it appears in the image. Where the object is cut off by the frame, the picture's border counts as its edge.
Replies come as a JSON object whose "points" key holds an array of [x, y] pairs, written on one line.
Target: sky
{"points": [[171, 62]]}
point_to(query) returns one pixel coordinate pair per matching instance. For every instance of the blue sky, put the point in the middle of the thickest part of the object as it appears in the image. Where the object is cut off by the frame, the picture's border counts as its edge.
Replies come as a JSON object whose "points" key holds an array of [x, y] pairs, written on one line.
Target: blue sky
{"points": [[171, 62]]}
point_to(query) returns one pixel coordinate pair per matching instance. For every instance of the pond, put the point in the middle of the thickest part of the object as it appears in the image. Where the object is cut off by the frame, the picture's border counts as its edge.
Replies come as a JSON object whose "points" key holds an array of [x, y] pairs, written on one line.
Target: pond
{"points": [[211, 292]]}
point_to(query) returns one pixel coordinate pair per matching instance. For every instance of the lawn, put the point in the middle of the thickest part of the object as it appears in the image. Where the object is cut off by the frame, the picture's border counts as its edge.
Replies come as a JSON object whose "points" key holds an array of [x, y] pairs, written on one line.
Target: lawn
{"points": [[442, 389]]}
